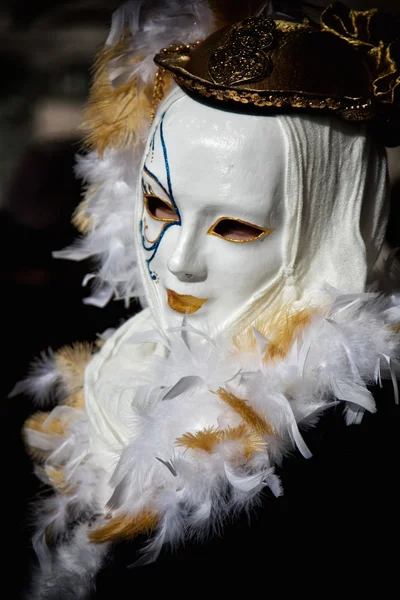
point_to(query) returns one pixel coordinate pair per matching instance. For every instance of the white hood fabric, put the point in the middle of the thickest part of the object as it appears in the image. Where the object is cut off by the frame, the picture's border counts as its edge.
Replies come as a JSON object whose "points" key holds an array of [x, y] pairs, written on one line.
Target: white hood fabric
{"points": [[335, 220]]}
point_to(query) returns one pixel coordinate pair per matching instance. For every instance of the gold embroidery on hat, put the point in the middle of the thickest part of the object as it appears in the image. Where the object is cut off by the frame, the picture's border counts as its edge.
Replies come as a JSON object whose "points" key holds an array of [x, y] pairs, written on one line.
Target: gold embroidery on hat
{"points": [[243, 56]]}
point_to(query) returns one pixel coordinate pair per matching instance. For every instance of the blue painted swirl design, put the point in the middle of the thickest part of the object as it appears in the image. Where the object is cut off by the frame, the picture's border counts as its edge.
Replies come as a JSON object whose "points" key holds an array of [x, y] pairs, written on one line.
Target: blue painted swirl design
{"points": [[154, 247]]}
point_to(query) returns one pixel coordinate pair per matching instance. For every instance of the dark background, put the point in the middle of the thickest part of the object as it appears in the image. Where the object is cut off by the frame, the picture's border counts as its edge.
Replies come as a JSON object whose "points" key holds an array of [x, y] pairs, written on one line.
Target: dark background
{"points": [[46, 51]]}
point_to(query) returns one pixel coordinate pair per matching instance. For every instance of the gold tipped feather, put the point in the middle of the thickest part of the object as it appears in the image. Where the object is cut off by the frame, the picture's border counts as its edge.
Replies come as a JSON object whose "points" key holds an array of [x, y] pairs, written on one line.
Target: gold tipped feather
{"points": [[281, 328], [288, 329], [125, 527], [56, 477], [396, 328], [115, 117], [206, 439], [38, 456], [76, 400], [247, 413], [72, 361], [36, 422], [250, 440], [80, 219]]}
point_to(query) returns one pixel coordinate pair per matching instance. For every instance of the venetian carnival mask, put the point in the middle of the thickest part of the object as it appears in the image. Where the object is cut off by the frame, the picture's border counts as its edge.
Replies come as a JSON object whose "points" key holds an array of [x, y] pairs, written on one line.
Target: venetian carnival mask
{"points": [[212, 217]]}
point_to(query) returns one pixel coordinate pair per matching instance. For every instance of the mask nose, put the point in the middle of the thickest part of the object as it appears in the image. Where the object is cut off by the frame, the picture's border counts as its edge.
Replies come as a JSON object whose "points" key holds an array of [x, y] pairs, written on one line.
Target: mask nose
{"points": [[187, 262]]}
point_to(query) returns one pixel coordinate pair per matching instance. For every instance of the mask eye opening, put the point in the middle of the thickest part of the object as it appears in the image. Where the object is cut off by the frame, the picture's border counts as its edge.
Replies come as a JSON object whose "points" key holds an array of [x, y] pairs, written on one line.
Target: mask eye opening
{"points": [[159, 209], [238, 231]]}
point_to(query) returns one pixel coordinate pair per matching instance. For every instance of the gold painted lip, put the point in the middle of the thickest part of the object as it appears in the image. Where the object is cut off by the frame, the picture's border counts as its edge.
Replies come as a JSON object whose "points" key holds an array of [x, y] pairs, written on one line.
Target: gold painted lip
{"points": [[184, 303]]}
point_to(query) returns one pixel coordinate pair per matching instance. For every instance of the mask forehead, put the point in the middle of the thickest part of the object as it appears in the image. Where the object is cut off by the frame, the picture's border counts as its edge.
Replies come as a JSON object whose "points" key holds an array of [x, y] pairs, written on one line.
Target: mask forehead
{"points": [[218, 160]]}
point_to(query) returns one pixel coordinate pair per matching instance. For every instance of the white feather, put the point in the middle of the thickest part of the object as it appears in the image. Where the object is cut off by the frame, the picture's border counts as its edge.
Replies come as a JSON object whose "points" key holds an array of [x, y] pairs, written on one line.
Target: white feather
{"points": [[43, 382], [245, 483], [394, 379], [71, 573], [194, 491], [111, 237]]}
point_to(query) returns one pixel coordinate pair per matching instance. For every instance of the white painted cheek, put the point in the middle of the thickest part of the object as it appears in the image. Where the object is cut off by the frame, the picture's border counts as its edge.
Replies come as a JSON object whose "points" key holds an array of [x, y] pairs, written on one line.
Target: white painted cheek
{"points": [[238, 271]]}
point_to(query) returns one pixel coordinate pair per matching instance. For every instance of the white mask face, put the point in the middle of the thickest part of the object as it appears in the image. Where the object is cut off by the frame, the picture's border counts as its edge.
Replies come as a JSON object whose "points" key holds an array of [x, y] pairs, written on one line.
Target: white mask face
{"points": [[212, 221]]}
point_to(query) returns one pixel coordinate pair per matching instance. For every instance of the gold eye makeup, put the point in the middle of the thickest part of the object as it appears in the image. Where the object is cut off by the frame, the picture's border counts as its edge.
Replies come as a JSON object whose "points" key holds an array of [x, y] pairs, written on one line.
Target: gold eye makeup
{"points": [[159, 209], [238, 231]]}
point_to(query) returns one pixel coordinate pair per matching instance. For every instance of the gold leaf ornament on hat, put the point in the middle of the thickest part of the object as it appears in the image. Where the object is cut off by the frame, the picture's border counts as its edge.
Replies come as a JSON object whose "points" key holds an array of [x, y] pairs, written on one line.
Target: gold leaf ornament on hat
{"points": [[243, 55], [346, 65], [378, 37]]}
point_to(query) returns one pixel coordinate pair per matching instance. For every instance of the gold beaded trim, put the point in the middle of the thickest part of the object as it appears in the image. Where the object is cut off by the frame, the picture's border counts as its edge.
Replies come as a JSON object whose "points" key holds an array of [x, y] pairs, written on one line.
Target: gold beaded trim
{"points": [[159, 83], [158, 91], [351, 109]]}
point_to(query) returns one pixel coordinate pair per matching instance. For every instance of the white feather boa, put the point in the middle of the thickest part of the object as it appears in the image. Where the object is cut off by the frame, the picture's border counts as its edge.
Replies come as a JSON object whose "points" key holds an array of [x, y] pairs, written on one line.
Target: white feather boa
{"points": [[342, 351], [114, 177]]}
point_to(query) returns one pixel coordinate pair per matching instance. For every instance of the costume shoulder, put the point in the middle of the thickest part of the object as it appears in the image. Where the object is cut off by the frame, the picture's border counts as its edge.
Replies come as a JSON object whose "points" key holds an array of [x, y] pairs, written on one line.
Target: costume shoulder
{"points": [[206, 431], [337, 513]]}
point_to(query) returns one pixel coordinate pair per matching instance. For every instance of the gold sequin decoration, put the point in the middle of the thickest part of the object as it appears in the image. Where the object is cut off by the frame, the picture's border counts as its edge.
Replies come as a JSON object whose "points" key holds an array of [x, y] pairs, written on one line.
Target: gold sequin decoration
{"points": [[243, 56]]}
